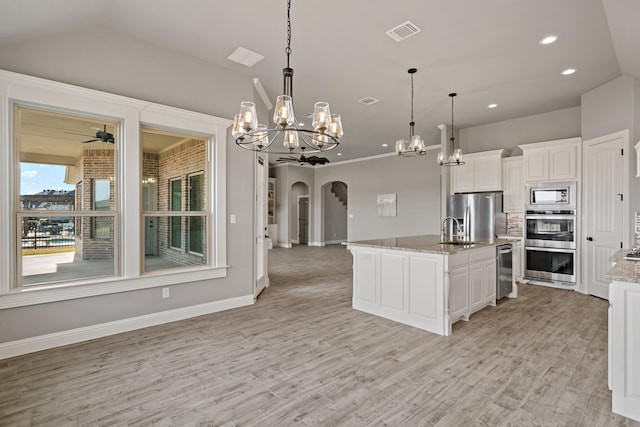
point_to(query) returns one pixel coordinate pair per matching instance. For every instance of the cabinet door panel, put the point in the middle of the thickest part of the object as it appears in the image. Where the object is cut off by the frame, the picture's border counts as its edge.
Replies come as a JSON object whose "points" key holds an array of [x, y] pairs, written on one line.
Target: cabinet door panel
{"points": [[562, 162], [462, 177], [537, 165], [476, 285], [489, 268], [487, 174], [459, 291]]}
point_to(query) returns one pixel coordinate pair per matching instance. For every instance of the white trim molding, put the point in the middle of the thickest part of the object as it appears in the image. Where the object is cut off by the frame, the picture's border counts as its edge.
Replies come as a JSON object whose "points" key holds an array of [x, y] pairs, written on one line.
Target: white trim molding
{"points": [[73, 336]]}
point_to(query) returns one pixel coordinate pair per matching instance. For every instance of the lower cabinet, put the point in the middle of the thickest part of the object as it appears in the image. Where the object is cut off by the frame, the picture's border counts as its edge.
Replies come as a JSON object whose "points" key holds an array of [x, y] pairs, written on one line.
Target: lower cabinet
{"points": [[624, 348], [472, 282]]}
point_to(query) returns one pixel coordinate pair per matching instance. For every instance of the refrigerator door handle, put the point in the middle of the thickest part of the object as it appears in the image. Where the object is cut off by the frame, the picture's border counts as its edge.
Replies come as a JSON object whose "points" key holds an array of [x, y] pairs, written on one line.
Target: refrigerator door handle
{"points": [[467, 224]]}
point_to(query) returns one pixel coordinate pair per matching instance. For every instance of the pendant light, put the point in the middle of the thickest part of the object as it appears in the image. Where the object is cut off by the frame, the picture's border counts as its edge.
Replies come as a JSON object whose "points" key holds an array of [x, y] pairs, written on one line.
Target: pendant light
{"points": [[415, 145], [455, 154], [327, 127]]}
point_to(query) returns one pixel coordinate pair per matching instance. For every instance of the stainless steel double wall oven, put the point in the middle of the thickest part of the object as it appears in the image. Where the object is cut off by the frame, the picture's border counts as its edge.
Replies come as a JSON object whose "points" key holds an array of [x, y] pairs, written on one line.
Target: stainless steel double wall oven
{"points": [[550, 232]]}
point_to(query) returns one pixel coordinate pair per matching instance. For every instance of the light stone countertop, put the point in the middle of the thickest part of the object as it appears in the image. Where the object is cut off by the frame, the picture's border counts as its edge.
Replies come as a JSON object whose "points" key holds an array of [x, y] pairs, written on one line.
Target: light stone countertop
{"points": [[624, 270], [428, 243]]}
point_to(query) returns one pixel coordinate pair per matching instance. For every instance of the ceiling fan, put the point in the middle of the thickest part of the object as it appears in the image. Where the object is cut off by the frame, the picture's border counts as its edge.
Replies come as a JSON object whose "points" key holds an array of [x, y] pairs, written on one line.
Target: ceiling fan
{"points": [[312, 160], [102, 135]]}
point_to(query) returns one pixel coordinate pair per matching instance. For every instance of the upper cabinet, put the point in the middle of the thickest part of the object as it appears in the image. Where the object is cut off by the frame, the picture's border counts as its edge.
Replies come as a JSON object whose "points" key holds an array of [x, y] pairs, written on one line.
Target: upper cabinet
{"points": [[513, 184], [552, 160], [481, 172]]}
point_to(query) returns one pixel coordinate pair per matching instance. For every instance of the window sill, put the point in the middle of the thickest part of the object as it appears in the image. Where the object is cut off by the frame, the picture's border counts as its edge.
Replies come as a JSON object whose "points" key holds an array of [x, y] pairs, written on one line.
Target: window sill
{"points": [[104, 286]]}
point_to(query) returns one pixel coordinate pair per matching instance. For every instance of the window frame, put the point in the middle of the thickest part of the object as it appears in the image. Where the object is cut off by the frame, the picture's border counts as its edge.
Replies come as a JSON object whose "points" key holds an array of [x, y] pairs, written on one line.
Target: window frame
{"points": [[172, 209], [132, 114], [203, 213]]}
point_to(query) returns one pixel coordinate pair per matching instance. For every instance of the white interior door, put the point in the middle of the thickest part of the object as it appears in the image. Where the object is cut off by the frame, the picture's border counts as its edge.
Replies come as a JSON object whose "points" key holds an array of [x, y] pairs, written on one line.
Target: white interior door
{"points": [[260, 221], [303, 220], [605, 203]]}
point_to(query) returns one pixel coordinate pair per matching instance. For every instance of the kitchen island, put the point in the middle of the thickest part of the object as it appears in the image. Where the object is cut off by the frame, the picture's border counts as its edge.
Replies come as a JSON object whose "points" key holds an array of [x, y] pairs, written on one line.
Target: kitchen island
{"points": [[624, 335], [421, 282]]}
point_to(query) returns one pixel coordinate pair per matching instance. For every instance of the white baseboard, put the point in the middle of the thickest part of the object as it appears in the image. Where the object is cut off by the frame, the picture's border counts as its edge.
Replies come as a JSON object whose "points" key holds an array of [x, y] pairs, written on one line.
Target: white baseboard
{"points": [[295, 242], [72, 336], [319, 244], [285, 245], [334, 242]]}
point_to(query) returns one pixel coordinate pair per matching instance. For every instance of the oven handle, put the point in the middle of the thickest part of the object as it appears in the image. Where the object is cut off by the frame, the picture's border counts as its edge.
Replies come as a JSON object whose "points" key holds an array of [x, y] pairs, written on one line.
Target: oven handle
{"points": [[550, 216], [538, 248]]}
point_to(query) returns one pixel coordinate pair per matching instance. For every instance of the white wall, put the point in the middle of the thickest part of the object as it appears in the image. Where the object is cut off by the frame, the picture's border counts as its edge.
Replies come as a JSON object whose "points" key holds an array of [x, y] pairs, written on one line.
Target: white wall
{"points": [[416, 181], [510, 133]]}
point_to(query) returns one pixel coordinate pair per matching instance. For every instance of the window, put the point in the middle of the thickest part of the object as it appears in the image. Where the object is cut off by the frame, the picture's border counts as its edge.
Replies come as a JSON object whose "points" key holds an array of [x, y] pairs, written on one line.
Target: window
{"points": [[178, 238], [62, 230], [196, 204], [71, 202], [175, 233]]}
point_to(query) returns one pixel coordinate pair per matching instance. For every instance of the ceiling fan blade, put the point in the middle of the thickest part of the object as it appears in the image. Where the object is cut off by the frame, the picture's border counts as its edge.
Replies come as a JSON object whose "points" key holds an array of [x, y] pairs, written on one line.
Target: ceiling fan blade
{"points": [[91, 140]]}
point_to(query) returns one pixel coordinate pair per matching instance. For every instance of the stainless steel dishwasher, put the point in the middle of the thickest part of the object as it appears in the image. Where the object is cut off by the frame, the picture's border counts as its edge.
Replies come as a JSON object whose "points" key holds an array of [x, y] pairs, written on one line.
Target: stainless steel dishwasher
{"points": [[504, 282]]}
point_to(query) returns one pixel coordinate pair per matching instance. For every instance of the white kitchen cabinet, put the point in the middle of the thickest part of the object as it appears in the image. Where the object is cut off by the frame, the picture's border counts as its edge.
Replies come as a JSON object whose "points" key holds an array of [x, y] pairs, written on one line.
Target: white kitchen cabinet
{"points": [[513, 184], [624, 350], [472, 282], [557, 160], [481, 172]]}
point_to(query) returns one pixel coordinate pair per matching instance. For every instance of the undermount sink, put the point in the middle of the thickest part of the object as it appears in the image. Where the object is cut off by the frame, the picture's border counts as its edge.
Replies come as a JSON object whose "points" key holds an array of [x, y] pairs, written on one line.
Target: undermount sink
{"points": [[458, 242]]}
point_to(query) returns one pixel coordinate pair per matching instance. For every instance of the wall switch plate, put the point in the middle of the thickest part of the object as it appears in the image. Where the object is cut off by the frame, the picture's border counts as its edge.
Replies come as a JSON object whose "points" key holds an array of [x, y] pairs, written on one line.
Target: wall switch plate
{"points": [[166, 293], [232, 218]]}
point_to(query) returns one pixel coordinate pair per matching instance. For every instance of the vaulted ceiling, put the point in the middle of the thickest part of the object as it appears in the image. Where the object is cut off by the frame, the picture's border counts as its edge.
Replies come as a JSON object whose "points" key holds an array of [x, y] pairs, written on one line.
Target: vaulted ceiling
{"points": [[487, 51]]}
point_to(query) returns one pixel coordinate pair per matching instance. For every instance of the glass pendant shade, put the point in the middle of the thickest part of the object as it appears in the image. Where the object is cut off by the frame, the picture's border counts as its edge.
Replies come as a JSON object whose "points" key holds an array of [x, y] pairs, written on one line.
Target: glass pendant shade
{"points": [[417, 144], [321, 116], [457, 155], [261, 136], [236, 130], [335, 128], [283, 112], [248, 118], [291, 140], [441, 157], [401, 146]]}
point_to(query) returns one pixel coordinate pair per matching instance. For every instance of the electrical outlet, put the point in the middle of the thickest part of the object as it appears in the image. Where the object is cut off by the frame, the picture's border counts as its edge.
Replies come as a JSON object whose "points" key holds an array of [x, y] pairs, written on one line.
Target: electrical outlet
{"points": [[165, 293]]}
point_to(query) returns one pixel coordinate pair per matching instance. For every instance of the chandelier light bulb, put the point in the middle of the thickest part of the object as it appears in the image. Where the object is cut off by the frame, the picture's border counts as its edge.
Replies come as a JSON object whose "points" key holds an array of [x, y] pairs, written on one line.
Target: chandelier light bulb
{"points": [[335, 127], [321, 116], [291, 141]]}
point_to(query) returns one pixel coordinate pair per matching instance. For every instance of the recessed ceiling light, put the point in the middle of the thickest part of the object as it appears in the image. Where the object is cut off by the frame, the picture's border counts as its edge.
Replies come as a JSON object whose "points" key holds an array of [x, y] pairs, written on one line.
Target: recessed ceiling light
{"points": [[338, 154], [385, 145], [551, 38], [568, 71], [492, 105]]}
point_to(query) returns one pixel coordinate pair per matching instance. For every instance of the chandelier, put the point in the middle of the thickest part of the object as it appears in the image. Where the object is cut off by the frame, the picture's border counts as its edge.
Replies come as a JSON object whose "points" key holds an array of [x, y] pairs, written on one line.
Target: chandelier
{"points": [[415, 145], [327, 127], [455, 154]]}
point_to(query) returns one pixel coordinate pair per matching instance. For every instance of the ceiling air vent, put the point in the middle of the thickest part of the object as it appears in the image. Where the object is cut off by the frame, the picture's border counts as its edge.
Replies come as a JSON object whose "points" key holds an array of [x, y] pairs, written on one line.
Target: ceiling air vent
{"points": [[368, 100], [403, 31]]}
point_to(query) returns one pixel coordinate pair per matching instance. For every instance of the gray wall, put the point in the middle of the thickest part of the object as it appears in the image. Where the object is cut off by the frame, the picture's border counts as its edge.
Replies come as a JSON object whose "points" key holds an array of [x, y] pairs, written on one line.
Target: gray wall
{"points": [[109, 62], [335, 216], [510, 133], [416, 181]]}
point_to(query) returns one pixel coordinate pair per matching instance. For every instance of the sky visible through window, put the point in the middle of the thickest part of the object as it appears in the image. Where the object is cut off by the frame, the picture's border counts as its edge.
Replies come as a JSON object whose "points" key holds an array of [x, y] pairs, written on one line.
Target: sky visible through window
{"points": [[35, 178]]}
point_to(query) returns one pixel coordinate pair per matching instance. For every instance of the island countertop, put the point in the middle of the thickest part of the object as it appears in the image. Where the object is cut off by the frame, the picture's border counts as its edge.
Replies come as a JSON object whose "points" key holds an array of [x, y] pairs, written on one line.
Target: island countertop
{"points": [[428, 243], [624, 270]]}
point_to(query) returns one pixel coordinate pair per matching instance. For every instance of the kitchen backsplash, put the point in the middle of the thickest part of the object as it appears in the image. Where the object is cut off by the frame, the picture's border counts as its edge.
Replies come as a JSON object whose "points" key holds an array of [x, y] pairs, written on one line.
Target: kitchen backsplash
{"points": [[515, 224]]}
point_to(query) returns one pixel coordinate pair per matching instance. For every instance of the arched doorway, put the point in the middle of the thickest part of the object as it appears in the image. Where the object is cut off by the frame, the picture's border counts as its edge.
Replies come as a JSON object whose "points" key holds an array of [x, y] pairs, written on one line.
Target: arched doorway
{"points": [[334, 212]]}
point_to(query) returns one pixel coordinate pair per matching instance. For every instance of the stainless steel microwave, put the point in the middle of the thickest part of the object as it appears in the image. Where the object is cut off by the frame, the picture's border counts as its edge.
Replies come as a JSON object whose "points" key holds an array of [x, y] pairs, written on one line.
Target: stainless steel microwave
{"points": [[551, 195]]}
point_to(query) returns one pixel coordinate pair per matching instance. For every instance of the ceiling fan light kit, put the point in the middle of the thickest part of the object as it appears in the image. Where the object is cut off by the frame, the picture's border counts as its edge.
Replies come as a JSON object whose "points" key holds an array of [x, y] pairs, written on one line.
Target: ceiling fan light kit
{"points": [[249, 134], [455, 154], [415, 146]]}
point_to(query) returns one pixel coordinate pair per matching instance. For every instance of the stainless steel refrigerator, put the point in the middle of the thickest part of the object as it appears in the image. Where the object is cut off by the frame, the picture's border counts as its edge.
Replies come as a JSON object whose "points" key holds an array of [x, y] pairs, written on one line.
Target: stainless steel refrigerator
{"points": [[479, 214]]}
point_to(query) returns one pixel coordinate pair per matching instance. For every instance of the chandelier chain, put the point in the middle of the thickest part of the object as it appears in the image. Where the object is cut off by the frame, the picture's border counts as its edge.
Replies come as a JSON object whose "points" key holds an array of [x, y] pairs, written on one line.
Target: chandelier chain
{"points": [[288, 49], [411, 98]]}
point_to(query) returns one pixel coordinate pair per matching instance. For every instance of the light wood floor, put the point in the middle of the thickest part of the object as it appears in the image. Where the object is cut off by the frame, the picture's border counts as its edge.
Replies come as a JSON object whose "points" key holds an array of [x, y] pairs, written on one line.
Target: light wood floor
{"points": [[302, 356]]}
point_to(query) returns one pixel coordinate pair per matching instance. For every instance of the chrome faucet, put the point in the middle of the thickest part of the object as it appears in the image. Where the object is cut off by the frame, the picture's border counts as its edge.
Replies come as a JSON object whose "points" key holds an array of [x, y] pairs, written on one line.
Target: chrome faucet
{"points": [[443, 231]]}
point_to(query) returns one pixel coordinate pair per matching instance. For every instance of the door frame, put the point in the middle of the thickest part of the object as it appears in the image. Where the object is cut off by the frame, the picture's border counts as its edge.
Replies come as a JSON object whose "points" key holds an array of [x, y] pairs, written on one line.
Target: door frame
{"points": [[304, 196], [260, 251], [583, 287]]}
